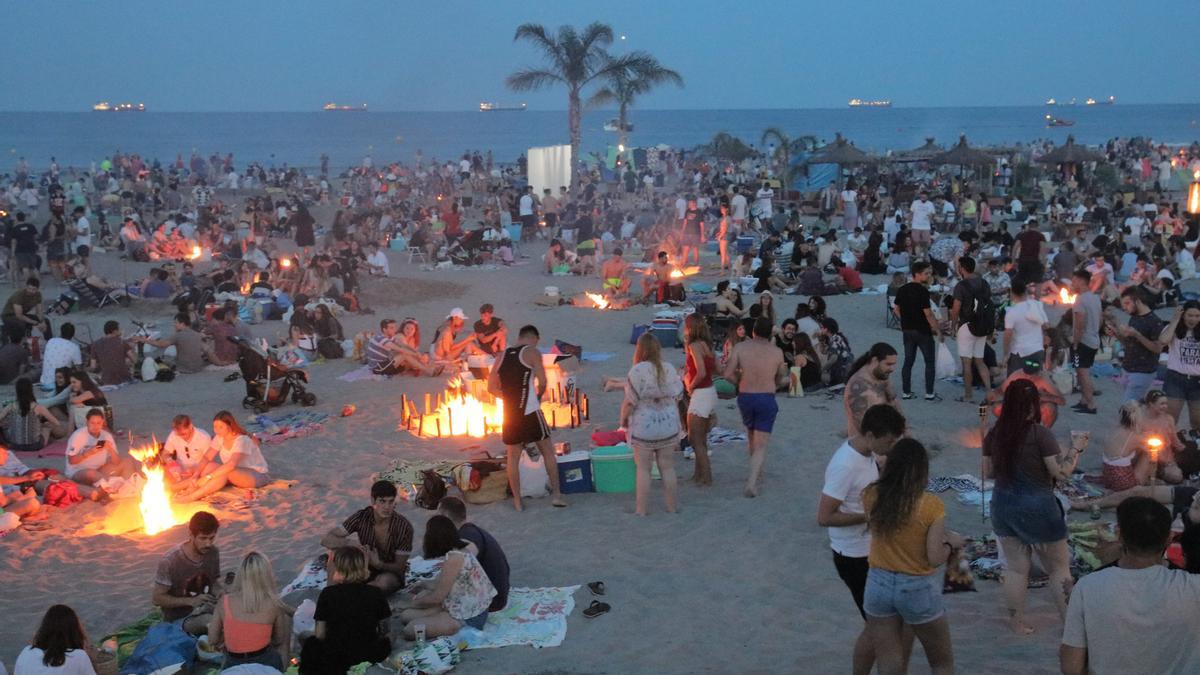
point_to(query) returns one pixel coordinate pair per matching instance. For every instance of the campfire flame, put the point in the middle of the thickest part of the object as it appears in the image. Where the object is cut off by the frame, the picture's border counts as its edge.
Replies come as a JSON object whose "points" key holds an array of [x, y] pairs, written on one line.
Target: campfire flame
{"points": [[463, 414], [599, 300], [155, 503], [1066, 297], [246, 288], [685, 272], [285, 263], [196, 253]]}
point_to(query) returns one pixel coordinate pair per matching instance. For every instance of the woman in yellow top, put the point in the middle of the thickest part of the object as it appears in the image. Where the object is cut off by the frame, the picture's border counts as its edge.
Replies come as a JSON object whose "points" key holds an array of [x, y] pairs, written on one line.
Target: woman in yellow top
{"points": [[909, 541]]}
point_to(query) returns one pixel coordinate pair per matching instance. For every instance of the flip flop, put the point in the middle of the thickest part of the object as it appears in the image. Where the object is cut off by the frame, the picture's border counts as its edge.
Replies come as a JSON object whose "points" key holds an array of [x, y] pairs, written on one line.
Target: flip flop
{"points": [[596, 609], [596, 587]]}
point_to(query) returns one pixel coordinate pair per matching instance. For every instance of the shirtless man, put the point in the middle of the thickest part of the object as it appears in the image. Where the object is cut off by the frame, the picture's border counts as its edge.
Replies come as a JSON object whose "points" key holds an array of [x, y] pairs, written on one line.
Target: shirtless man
{"points": [[613, 274], [446, 349], [757, 369], [1051, 397], [869, 384], [658, 277]]}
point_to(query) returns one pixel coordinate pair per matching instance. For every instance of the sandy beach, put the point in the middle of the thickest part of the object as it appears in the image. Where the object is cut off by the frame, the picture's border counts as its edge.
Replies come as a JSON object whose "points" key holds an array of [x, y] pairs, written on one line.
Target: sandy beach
{"points": [[727, 585]]}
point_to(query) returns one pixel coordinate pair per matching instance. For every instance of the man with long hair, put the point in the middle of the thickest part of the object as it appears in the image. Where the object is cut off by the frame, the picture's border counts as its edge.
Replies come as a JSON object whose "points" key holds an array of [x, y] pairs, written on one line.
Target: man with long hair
{"points": [[869, 384]]}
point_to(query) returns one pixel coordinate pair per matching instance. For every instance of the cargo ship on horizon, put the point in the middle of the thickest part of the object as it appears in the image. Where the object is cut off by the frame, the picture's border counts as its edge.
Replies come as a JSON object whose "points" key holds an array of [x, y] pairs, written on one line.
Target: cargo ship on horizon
{"points": [[487, 106], [340, 107], [105, 106]]}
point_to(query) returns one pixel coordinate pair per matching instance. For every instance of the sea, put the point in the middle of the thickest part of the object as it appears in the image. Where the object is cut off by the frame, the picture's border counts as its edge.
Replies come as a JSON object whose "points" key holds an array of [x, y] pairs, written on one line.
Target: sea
{"points": [[300, 138]]}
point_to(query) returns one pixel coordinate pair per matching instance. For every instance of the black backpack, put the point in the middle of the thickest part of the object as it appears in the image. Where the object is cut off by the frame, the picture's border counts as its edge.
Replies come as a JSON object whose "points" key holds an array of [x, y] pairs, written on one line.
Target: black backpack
{"points": [[980, 315]]}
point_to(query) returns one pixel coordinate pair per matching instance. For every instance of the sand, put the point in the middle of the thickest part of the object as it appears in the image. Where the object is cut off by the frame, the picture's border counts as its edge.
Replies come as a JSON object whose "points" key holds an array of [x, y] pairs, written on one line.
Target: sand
{"points": [[727, 585]]}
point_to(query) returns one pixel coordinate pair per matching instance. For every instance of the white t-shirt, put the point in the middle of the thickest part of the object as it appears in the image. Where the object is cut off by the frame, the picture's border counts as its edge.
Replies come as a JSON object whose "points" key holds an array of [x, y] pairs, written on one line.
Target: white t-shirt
{"points": [[59, 353], [738, 206], [378, 259], [464, 166], [922, 211], [1136, 621], [764, 197], [80, 442], [526, 205], [849, 473], [680, 208], [1025, 320], [83, 232], [252, 457], [29, 662], [189, 454], [1135, 224]]}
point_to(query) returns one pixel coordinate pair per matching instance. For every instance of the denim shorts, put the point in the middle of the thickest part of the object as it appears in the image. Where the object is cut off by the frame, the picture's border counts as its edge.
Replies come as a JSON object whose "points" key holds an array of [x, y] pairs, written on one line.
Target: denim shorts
{"points": [[917, 599], [1181, 387]]}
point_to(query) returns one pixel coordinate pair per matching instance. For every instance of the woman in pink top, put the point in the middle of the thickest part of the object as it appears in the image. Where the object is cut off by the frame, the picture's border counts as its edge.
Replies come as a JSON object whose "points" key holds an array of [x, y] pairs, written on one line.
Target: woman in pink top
{"points": [[253, 624]]}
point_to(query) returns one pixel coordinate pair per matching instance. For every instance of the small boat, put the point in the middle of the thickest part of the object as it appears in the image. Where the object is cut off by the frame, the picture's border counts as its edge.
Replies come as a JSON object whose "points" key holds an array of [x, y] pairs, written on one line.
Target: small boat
{"points": [[1108, 101], [105, 106], [614, 125], [1051, 101], [339, 107], [862, 103], [1052, 121], [488, 106]]}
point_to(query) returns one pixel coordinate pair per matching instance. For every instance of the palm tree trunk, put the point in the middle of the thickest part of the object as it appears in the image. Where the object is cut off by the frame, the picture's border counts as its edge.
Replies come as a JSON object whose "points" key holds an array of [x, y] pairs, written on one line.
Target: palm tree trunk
{"points": [[622, 115], [574, 120]]}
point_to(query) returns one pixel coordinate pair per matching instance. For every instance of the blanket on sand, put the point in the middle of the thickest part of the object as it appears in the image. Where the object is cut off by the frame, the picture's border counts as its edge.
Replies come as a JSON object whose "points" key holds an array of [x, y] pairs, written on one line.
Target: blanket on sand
{"points": [[279, 428]]}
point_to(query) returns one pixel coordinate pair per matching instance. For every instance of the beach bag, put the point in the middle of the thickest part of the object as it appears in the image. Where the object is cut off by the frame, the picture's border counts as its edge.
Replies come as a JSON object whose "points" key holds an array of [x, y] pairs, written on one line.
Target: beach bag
{"points": [[61, 494], [330, 348], [534, 482], [947, 365], [165, 644], [432, 489]]}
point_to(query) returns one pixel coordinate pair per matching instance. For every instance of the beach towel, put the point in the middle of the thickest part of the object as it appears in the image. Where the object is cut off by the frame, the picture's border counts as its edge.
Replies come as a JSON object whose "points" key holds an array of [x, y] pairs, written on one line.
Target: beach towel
{"points": [[597, 356], [312, 575], [277, 429], [232, 498], [125, 639], [432, 658], [113, 387], [534, 616], [406, 473], [721, 436], [362, 374]]}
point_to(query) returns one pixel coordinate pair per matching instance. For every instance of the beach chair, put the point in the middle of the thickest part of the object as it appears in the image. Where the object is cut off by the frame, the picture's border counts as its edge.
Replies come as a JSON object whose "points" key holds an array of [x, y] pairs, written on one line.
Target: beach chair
{"points": [[892, 321], [91, 296], [416, 252]]}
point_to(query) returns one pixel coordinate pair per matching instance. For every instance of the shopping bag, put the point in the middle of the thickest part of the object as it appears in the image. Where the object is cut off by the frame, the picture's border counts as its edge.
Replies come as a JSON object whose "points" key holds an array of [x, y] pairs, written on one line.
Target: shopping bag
{"points": [[947, 365]]}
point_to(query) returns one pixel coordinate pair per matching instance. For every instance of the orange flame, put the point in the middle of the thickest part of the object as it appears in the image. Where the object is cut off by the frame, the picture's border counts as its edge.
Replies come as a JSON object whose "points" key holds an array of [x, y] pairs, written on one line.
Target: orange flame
{"points": [[285, 263], [1066, 297], [599, 300], [196, 252], [155, 504], [246, 288], [685, 272], [1154, 444]]}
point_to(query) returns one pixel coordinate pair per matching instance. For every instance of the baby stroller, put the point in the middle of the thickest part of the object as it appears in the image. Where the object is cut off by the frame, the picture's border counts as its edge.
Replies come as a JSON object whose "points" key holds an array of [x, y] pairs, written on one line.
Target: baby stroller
{"points": [[269, 383]]}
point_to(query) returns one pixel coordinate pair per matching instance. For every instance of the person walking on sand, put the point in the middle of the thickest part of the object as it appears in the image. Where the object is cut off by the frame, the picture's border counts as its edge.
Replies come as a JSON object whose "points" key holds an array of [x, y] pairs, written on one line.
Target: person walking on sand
{"points": [[851, 469], [757, 369], [698, 374], [512, 379], [650, 413]]}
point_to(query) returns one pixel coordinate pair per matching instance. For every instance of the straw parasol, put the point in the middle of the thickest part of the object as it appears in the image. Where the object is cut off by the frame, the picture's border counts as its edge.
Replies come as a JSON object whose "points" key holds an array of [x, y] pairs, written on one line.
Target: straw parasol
{"points": [[964, 155], [840, 152], [922, 154], [1069, 153]]}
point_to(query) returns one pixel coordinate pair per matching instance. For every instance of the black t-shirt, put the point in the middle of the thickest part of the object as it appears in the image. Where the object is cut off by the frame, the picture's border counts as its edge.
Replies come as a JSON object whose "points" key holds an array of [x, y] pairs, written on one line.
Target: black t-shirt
{"points": [[491, 557], [966, 292], [585, 227], [692, 221], [913, 299], [352, 613], [1031, 244], [788, 347], [25, 235], [1138, 359]]}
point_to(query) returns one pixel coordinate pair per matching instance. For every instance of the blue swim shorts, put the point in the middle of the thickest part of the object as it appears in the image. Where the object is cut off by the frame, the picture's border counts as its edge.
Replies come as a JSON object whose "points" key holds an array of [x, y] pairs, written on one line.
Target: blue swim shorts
{"points": [[758, 411]]}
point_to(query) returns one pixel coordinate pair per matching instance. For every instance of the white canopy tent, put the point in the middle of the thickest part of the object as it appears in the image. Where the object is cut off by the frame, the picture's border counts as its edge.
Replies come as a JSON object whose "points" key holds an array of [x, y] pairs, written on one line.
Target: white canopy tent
{"points": [[549, 167]]}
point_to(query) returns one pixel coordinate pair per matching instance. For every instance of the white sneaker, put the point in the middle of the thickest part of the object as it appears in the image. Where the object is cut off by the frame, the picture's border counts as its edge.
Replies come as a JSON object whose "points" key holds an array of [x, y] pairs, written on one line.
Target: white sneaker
{"points": [[688, 453]]}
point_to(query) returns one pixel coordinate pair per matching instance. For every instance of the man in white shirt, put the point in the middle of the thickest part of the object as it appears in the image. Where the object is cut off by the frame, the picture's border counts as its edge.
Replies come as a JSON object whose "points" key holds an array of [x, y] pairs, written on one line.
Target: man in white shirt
{"points": [[92, 456], [737, 207], [852, 468], [681, 206], [1137, 616], [60, 352], [922, 223], [377, 261], [1023, 323], [83, 231], [1016, 208], [1134, 222], [186, 445], [254, 256], [525, 210], [762, 202]]}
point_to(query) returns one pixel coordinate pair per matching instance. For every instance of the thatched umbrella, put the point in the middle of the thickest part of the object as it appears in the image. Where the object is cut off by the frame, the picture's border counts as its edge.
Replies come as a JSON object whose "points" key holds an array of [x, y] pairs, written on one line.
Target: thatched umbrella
{"points": [[964, 155], [840, 152], [1069, 153], [922, 154]]}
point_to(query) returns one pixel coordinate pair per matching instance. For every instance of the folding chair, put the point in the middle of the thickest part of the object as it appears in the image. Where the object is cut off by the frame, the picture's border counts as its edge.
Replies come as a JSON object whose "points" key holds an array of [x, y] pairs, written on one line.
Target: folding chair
{"points": [[415, 251], [91, 296], [892, 320]]}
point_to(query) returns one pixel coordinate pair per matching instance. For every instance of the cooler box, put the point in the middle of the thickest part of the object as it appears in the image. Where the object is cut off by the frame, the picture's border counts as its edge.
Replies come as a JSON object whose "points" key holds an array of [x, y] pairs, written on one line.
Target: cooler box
{"points": [[744, 244], [398, 244], [613, 469], [575, 472], [514, 233]]}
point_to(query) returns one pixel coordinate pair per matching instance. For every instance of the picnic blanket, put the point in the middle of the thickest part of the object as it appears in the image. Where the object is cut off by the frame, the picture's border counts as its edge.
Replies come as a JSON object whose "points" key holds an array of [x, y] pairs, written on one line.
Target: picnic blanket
{"points": [[233, 498], [113, 387], [127, 637], [967, 487], [362, 374], [597, 356], [277, 429], [407, 472], [721, 436]]}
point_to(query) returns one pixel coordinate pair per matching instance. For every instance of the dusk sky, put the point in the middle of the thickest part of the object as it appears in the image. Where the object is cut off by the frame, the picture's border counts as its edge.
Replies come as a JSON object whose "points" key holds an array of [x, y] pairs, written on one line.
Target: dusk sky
{"points": [[224, 55]]}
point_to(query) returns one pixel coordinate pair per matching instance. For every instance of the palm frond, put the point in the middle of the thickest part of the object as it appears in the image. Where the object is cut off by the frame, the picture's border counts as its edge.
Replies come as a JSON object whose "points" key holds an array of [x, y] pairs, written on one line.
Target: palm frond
{"points": [[603, 97], [530, 79]]}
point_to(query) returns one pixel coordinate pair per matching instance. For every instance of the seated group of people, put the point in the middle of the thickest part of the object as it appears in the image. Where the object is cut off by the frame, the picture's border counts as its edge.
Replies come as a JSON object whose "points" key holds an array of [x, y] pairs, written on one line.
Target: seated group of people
{"points": [[396, 349]]}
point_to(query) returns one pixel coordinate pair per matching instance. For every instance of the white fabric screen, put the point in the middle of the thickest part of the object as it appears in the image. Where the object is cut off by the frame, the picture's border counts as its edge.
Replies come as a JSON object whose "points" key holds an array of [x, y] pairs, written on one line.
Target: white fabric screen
{"points": [[549, 167]]}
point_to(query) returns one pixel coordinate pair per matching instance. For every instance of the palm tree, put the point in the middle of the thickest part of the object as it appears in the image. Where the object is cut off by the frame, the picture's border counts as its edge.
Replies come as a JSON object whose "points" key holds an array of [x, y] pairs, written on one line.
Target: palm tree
{"points": [[576, 60], [726, 146], [643, 73], [783, 144]]}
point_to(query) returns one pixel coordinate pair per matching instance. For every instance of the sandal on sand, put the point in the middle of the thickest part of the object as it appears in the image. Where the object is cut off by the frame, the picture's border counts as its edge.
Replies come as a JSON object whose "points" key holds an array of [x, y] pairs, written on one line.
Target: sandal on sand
{"points": [[596, 587], [596, 609], [232, 376]]}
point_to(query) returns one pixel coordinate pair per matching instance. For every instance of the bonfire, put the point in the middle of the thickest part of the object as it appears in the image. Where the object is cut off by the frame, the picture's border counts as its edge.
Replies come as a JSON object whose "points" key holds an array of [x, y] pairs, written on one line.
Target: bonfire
{"points": [[465, 408], [1066, 297], [155, 502]]}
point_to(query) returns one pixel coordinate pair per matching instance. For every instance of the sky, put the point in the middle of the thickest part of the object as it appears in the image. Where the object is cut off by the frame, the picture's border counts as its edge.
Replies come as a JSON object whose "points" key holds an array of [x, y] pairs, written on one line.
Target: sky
{"points": [[269, 55]]}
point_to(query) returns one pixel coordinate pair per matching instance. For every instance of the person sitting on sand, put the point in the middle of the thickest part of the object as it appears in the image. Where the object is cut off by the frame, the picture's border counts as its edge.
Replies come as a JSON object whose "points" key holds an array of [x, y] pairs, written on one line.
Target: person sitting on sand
{"points": [[191, 352], [60, 645], [390, 352], [194, 564], [384, 534], [658, 278], [483, 545], [613, 273], [242, 463], [92, 456], [1156, 421], [28, 425], [18, 486], [728, 301], [351, 619], [84, 397], [184, 450], [556, 258], [459, 595], [252, 625], [1031, 370], [445, 348], [491, 333]]}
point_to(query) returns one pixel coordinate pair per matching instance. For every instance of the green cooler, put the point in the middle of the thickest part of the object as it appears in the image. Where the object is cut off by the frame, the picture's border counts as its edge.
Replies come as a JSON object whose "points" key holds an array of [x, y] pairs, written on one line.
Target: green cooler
{"points": [[613, 469]]}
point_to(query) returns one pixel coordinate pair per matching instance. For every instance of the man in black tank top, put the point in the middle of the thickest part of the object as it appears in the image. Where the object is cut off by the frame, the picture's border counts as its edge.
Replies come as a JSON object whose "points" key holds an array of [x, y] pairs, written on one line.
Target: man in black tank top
{"points": [[512, 379]]}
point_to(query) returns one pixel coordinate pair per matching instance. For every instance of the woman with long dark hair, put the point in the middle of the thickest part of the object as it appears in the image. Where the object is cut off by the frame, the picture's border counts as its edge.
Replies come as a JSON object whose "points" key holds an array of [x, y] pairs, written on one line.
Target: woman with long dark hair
{"points": [[29, 424], [1181, 337], [242, 463], [59, 646], [808, 362], [459, 595], [1025, 461], [85, 395], [303, 223], [909, 541]]}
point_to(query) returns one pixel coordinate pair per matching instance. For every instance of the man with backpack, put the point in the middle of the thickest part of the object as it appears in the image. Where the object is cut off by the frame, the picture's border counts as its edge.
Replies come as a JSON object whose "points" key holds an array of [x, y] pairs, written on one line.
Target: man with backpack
{"points": [[975, 315]]}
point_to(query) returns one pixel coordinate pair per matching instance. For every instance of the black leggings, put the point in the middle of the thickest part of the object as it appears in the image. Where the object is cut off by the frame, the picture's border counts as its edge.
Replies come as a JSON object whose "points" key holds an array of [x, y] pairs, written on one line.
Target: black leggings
{"points": [[913, 340]]}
